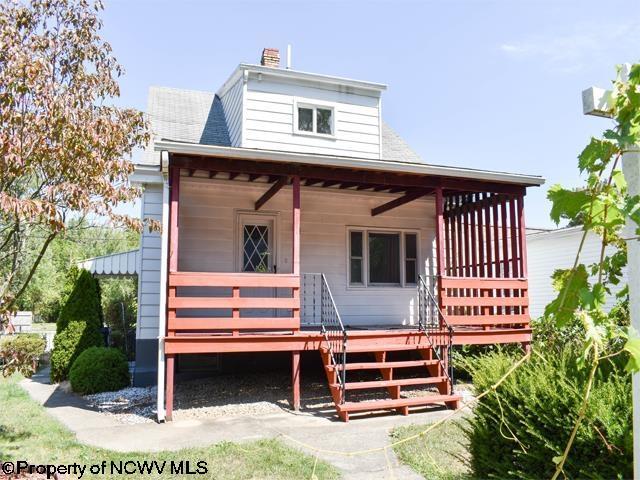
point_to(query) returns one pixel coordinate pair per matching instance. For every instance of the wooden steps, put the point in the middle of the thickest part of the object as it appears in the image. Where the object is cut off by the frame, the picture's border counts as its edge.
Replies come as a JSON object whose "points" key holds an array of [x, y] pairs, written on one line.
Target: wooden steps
{"points": [[377, 365], [391, 347], [403, 382], [375, 405], [391, 361]]}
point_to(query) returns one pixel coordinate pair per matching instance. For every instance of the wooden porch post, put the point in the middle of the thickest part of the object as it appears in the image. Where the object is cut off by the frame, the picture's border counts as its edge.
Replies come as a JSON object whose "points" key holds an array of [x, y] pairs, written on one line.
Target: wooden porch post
{"points": [[174, 196], [439, 241], [295, 260], [295, 379]]}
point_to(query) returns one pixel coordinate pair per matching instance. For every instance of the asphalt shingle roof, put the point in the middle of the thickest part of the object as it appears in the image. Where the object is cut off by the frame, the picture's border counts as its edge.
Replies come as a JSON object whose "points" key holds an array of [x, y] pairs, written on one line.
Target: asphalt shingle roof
{"points": [[192, 116]]}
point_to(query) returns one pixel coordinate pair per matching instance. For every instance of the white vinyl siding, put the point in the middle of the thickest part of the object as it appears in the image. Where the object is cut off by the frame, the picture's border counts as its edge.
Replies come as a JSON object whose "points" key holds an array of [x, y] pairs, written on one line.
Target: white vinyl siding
{"points": [[269, 120], [208, 234], [149, 273], [547, 252], [232, 106]]}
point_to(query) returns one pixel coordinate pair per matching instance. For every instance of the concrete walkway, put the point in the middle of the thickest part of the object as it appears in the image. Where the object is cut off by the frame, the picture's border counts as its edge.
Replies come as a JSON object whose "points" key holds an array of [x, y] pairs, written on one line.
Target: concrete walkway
{"points": [[100, 430]]}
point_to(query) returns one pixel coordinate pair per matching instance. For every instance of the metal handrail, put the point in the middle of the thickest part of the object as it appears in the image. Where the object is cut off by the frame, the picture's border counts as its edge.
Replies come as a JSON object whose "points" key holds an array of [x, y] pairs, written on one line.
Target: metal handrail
{"points": [[331, 326], [433, 323]]}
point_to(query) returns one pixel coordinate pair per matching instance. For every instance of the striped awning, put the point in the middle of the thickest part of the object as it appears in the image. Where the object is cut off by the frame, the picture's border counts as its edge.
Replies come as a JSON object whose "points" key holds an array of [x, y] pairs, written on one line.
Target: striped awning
{"points": [[115, 265]]}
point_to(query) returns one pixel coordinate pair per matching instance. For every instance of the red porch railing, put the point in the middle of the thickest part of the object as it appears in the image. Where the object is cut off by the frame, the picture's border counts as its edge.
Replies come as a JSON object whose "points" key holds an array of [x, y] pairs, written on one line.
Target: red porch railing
{"points": [[485, 301], [234, 292]]}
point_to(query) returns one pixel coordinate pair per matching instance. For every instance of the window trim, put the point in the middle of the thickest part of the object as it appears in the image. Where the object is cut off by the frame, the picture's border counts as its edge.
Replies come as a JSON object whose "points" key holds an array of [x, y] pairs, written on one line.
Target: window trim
{"points": [[365, 257], [314, 105]]}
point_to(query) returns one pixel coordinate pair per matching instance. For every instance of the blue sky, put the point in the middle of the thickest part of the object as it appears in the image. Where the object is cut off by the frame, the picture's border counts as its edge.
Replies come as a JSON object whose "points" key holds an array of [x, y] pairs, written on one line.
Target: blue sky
{"points": [[493, 85]]}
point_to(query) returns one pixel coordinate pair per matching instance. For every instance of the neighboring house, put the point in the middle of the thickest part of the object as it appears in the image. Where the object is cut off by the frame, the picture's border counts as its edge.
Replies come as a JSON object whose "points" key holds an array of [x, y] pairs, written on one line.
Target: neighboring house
{"points": [[294, 219], [550, 250]]}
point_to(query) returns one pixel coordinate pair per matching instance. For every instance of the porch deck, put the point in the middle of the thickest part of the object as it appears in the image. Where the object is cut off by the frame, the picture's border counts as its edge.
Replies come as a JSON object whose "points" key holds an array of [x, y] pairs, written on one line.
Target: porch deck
{"points": [[311, 338]]}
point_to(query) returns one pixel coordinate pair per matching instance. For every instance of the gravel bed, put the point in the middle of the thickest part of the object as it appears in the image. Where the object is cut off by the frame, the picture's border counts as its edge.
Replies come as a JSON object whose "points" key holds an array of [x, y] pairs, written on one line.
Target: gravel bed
{"points": [[129, 405], [245, 394]]}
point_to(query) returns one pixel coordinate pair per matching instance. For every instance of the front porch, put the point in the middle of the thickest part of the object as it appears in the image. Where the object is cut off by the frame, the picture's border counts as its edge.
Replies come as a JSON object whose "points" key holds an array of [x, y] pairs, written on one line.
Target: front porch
{"points": [[463, 281]]}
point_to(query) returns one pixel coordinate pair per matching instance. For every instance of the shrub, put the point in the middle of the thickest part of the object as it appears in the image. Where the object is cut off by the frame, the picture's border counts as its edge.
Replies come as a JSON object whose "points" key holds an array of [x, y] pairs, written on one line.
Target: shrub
{"points": [[78, 326], [21, 353], [99, 369], [517, 431]]}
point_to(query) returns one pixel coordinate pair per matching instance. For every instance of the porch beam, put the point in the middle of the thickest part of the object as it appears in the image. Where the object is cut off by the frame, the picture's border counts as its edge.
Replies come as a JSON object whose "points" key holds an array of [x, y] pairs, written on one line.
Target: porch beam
{"points": [[254, 176], [409, 197], [339, 175], [233, 175], [275, 188], [310, 182]]}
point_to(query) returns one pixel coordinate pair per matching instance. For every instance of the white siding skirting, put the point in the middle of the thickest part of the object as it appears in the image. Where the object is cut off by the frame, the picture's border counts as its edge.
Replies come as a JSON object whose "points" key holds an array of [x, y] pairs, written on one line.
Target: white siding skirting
{"points": [[556, 249]]}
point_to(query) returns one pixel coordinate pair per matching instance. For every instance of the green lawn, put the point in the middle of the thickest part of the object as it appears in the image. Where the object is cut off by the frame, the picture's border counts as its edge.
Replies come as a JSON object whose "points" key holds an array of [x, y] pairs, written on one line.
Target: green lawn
{"points": [[438, 455], [27, 432]]}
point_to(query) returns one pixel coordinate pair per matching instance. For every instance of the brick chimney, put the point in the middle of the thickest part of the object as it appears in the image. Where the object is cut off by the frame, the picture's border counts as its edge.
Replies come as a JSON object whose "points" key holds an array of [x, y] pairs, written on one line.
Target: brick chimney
{"points": [[270, 58]]}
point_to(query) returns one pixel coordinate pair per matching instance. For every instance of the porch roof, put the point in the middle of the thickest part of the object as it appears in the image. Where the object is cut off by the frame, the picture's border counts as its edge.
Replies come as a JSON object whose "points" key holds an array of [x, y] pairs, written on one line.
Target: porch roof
{"points": [[183, 148]]}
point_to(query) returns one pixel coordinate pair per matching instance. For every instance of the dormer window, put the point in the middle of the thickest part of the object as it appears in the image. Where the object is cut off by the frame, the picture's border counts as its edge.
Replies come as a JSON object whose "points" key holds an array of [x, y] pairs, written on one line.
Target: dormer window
{"points": [[310, 119]]}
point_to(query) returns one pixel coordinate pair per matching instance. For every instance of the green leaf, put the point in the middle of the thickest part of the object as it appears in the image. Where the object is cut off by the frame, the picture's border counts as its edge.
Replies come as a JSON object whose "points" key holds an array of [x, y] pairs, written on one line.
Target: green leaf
{"points": [[570, 284], [567, 203], [596, 155], [633, 347]]}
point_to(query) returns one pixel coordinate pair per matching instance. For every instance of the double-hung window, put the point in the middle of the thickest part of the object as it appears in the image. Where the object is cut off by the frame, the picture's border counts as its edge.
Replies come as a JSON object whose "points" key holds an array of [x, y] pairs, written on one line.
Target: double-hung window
{"points": [[382, 258], [312, 119]]}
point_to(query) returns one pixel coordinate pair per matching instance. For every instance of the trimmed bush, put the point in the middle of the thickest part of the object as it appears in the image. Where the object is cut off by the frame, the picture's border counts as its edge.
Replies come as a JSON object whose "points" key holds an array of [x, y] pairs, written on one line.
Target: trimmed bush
{"points": [[517, 431], [99, 369], [78, 326], [21, 353]]}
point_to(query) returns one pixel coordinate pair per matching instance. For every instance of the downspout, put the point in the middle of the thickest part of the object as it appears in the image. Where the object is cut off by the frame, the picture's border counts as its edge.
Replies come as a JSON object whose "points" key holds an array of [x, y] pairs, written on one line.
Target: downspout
{"points": [[164, 259]]}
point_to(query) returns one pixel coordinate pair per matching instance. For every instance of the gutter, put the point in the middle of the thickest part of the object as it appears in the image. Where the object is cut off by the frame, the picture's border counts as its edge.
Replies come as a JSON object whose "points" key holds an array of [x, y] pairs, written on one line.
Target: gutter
{"points": [[346, 162]]}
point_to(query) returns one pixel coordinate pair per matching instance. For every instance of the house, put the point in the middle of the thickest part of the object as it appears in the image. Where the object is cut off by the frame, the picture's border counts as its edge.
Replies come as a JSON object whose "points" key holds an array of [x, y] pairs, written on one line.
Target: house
{"points": [[550, 250], [295, 219]]}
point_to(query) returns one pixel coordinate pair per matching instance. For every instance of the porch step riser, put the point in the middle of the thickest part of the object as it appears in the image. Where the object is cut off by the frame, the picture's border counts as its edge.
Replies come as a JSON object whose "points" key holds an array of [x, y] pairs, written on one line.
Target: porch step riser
{"points": [[405, 382], [383, 365]]}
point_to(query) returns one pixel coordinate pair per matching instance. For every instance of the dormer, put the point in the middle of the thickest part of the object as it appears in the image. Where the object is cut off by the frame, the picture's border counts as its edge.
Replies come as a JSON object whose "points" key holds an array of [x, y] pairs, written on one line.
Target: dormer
{"points": [[273, 108]]}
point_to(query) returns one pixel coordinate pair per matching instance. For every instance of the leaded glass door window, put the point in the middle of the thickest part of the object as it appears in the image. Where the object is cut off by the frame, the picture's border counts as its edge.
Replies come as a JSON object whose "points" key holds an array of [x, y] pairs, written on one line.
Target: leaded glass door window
{"points": [[257, 245]]}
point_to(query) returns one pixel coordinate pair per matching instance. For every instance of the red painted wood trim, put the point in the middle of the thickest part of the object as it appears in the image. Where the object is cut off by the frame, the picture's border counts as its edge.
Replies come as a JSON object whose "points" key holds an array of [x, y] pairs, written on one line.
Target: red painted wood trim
{"points": [[268, 195], [467, 250], [496, 236], [487, 223], [339, 175], [523, 237], [458, 219], [447, 238], [484, 301], [296, 225], [313, 340], [487, 319], [240, 323], [515, 254], [397, 202], [174, 194], [295, 379], [481, 239], [474, 232], [203, 279], [487, 282], [505, 236], [233, 302], [439, 236]]}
